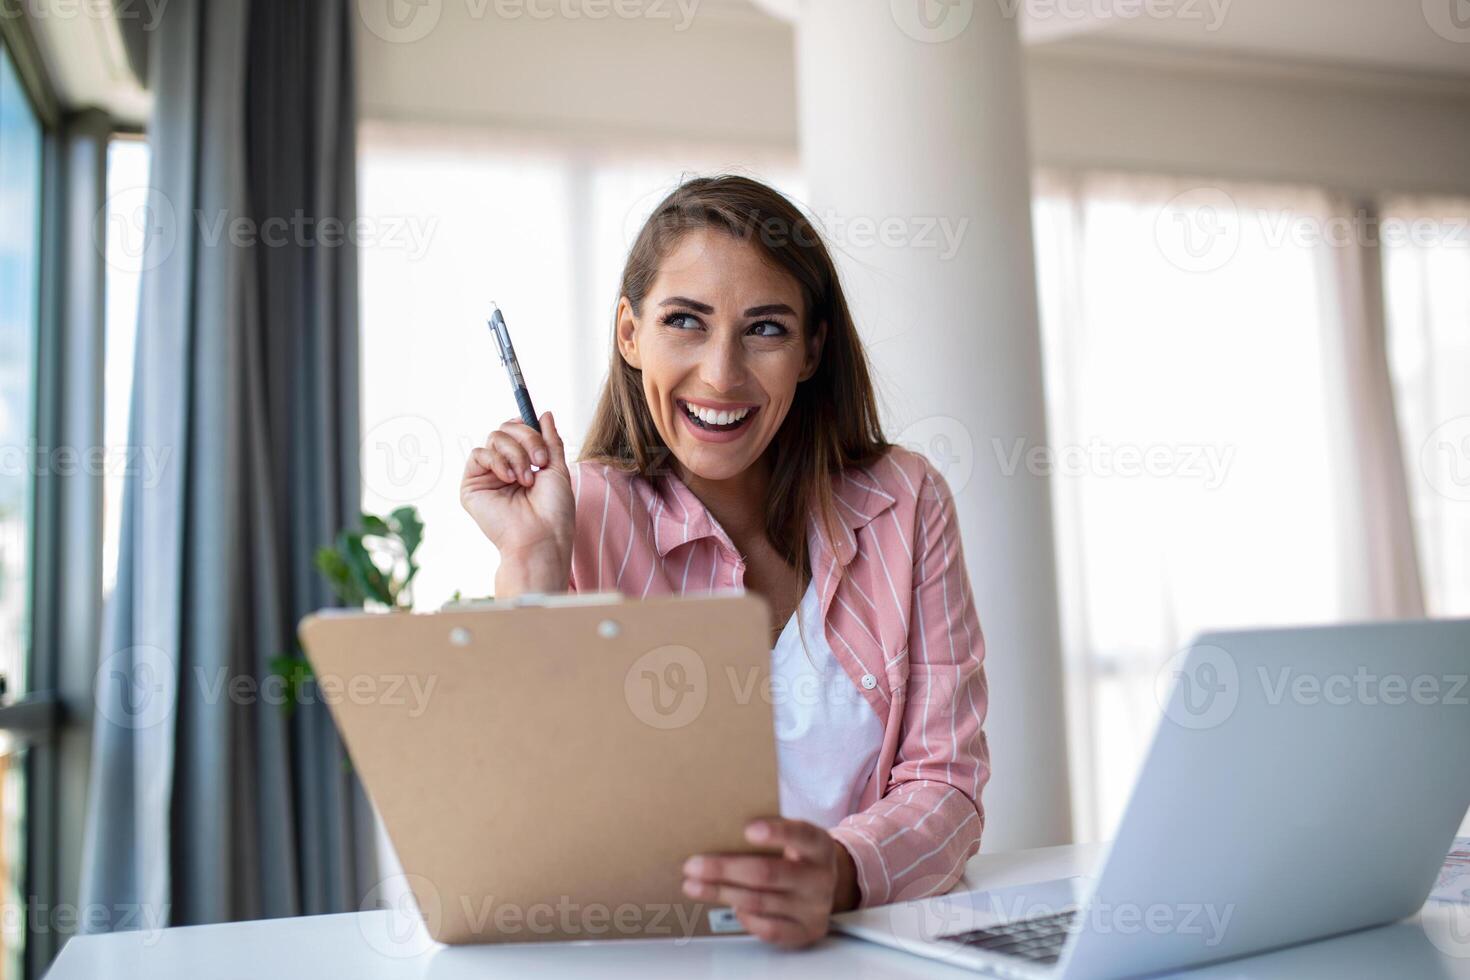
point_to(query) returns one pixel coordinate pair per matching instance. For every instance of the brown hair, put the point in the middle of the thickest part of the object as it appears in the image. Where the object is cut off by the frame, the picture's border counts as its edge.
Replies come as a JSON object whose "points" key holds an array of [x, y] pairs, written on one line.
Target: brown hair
{"points": [[833, 421]]}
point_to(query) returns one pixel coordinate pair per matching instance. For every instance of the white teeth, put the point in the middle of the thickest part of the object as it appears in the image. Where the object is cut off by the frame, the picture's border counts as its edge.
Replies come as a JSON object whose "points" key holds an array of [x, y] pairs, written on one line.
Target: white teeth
{"points": [[711, 417]]}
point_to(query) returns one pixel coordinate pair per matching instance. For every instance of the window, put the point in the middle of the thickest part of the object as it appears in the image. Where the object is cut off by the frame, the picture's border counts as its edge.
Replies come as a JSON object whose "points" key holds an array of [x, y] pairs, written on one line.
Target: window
{"points": [[127, 187], [456, 218], [1185, 332], [20, 224], [1426, 268]]}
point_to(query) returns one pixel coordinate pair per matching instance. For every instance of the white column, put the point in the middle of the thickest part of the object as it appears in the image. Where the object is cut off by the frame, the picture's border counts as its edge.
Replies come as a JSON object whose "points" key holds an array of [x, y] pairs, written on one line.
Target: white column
{"points": [[913, 138]]}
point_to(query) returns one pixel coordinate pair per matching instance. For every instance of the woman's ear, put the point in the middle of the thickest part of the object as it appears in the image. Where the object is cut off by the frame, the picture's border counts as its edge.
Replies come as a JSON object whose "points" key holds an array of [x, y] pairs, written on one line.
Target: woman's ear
{"points": [[627, 335], [814, 351]]}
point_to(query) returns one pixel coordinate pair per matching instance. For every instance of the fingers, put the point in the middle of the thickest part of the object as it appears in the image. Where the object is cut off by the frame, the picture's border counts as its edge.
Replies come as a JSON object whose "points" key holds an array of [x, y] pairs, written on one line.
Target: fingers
{"points": [[554, 444], [544, 448], [765, 872], [783, 932], [511, 458], [777, 904], [798, 840]]}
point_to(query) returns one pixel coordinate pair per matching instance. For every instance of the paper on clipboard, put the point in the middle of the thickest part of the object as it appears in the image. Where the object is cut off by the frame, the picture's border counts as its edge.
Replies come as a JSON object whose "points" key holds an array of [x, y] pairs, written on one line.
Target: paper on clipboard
{"points": [[1453, 883]]}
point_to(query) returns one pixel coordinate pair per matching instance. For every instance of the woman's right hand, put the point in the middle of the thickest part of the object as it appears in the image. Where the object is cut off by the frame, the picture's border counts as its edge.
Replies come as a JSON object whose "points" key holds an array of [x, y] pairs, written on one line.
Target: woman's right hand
{"points": [[529, 516]]}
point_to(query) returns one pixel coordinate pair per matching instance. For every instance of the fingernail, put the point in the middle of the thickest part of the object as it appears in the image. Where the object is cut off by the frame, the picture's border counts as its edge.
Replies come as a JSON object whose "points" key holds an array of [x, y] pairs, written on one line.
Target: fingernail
{"points": [[691, 888], [540, 457], [757, 832], [694, 866]]}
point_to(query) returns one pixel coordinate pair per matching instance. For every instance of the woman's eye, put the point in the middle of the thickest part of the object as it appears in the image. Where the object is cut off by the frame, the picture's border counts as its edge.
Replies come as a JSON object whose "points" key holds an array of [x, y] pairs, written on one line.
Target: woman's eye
{"points": [[768, 328], [681, 321]]}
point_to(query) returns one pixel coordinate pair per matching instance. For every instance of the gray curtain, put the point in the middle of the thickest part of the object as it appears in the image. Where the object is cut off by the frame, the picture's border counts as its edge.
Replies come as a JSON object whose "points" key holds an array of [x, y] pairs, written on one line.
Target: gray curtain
{"points": [[207, 803]]}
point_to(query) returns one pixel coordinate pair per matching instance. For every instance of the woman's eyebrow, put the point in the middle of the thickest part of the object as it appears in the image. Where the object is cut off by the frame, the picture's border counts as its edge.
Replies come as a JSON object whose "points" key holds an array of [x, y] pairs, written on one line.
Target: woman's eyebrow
{"points": [[693, 304], [770, 308]]}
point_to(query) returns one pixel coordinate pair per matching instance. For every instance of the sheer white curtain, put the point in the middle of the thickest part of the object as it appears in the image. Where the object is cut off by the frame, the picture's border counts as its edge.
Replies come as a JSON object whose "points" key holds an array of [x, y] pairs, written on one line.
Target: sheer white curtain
{"points": [[1207, 472], [1426, 245], [456, 217]]}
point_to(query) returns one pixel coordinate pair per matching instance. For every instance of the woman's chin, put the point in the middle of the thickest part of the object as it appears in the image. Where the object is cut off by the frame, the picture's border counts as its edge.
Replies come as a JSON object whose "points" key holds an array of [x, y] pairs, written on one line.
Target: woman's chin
{"points": [[712, 463]]}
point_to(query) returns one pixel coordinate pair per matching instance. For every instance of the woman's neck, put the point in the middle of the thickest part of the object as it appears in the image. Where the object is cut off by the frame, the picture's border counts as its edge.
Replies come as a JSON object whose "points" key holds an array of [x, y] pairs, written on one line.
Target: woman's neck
{"points": [[738, 503]]}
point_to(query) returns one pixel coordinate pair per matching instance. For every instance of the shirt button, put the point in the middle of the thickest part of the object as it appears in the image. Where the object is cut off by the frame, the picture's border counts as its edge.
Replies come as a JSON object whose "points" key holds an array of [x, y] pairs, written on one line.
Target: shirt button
{"points": [[869, 682]]}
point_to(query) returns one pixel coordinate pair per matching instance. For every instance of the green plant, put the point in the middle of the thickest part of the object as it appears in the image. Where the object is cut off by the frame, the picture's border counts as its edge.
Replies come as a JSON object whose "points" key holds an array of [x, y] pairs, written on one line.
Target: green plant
{"points": [[371, 566]]}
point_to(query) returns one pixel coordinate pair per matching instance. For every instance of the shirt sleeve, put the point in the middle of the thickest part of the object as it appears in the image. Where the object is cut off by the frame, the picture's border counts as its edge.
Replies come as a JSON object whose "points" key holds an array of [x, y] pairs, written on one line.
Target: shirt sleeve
{"points": [[915, 839]]}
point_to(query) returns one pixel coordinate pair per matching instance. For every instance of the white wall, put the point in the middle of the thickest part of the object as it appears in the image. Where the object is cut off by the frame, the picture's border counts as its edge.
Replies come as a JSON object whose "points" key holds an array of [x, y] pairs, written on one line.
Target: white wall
{"points": [[721, 75], [730, 77], [1198, 114]]}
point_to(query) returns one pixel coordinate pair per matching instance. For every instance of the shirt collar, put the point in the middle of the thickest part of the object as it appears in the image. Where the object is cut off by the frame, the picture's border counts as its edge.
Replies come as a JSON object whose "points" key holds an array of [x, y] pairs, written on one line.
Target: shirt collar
{"points": [[681, 517]]}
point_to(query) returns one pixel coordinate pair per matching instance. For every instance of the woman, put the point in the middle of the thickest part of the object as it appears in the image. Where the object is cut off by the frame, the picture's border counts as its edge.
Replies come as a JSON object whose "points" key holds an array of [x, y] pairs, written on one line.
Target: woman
{"points": [[737, 443]]}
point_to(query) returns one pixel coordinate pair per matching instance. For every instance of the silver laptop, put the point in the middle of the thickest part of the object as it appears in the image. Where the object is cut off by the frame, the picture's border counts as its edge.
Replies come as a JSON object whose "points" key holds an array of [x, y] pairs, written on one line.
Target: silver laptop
{"points": [[1301, 783]]}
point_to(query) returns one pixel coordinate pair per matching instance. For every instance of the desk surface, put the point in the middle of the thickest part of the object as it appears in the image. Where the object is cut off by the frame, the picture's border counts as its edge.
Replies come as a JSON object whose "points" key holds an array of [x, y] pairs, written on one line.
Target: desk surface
{"points": [[384, 946]]}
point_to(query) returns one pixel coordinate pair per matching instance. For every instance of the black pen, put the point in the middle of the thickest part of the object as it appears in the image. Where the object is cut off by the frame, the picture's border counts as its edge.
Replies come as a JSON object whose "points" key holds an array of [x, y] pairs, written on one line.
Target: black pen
{"points": [[508, 358]]}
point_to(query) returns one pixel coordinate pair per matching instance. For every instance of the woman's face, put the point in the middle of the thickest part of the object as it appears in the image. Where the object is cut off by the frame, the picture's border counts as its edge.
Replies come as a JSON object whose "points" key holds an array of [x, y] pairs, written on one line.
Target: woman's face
{"points": [[722, 342]]}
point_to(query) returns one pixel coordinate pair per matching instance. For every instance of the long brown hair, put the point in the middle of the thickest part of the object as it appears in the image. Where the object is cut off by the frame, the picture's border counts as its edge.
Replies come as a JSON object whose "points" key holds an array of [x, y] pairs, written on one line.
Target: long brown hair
{"points": [[833, 421]]}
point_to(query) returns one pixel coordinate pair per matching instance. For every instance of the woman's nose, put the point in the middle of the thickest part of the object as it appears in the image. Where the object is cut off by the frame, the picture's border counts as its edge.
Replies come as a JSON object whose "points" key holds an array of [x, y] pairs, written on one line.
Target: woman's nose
{"points": [[724, 366]]}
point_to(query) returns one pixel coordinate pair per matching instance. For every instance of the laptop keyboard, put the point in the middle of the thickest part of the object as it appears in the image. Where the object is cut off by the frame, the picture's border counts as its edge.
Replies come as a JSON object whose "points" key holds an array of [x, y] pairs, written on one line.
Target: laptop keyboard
{"points": [[1039, 940]]}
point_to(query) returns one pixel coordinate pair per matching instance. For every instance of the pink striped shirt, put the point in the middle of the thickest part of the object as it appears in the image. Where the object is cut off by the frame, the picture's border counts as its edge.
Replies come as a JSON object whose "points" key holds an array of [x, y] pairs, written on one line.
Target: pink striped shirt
{"points": [[898, 614]]}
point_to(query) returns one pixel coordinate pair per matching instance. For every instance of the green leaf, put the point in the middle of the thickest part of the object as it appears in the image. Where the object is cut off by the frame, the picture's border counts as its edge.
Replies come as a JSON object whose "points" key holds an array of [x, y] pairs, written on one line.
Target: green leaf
{"points": [[294, 672], [410, 529], [371, 524], [333, 566], [364, 572]]}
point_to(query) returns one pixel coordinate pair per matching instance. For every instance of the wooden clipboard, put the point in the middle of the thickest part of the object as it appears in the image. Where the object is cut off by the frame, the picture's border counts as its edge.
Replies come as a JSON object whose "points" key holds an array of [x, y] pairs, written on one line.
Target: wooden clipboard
{"points": [[545, 767]]}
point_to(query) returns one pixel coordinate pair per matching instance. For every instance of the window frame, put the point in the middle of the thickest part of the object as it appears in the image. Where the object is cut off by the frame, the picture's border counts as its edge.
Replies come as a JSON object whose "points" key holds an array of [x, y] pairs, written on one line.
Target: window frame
{"points": [[51, 720]]}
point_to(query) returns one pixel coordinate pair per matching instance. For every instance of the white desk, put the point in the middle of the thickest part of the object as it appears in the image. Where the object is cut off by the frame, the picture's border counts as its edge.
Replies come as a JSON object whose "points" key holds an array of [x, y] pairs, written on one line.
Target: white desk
{"points": [[375, 946]]}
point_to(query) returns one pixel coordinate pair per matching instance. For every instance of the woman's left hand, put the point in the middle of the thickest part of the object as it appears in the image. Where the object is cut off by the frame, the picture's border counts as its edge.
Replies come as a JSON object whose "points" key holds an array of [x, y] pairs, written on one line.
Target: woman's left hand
{"points": [[784, 899]]}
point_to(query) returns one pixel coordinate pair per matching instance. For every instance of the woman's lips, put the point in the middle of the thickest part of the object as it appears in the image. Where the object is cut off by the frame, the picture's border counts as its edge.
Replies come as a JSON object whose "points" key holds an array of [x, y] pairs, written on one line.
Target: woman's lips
{"points": [[715, 434]]}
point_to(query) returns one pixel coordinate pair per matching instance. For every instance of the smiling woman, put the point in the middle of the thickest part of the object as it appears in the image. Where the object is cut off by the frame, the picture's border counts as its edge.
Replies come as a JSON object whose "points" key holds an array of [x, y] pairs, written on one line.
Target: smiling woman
{"points": [[736, 444]]}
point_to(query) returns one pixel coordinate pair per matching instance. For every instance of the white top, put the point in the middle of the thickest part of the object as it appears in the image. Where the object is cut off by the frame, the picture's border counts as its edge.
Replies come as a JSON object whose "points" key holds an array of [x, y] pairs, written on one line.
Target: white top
{"points": [[827, 737]]}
